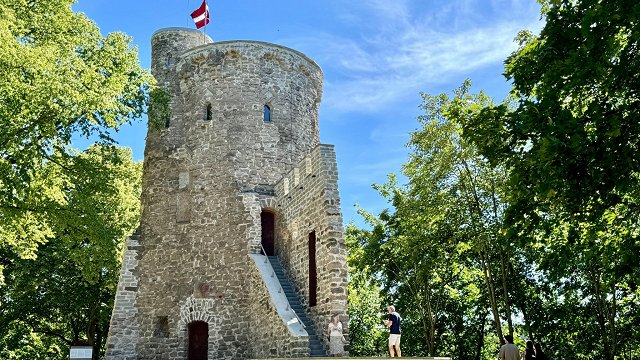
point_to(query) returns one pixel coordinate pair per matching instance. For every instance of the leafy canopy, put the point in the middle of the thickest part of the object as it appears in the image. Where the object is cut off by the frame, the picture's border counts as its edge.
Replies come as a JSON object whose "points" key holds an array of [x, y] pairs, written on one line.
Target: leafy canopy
{"points": [[58, 77], [66, 294]]}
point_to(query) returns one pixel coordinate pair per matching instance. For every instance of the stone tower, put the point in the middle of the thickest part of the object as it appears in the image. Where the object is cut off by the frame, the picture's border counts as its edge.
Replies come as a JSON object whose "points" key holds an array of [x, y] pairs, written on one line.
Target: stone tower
{"points": [[235, 174]]}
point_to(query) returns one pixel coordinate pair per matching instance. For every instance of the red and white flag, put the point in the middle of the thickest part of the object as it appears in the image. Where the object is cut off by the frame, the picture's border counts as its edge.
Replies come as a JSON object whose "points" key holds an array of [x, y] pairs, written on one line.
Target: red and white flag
{"points": [[201, 16]]}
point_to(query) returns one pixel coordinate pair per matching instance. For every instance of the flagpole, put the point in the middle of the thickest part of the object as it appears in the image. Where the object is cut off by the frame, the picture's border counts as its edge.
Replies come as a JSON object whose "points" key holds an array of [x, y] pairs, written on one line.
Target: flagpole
{"points": [[201, 17], [206, 22]]}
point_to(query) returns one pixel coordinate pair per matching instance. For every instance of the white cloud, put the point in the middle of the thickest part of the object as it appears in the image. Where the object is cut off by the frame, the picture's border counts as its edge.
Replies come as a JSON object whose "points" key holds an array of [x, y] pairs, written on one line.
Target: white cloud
{"points": [[404, 50]]}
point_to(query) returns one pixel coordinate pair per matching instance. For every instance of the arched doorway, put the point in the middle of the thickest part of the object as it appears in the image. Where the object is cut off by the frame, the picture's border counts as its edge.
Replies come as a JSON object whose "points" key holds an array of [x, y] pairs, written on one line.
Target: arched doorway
{"points": [[198, 340], [267, 220]]}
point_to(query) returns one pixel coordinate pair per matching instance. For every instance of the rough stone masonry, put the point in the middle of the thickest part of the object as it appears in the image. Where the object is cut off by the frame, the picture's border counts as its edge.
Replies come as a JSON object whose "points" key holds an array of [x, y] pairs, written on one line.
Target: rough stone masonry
{"points": [[237, 171]]}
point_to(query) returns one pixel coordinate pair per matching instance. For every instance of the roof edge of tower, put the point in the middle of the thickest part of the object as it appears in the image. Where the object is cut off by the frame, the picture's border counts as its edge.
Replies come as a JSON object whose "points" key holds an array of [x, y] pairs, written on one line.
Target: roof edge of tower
{"points": [[177, 29], [181, 29], [263, 43]]}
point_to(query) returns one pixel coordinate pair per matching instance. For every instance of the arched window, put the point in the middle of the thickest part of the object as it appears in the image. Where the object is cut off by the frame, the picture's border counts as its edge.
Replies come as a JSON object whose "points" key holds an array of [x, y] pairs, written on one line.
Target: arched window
{"points": [[209, 114], [267, 113]]}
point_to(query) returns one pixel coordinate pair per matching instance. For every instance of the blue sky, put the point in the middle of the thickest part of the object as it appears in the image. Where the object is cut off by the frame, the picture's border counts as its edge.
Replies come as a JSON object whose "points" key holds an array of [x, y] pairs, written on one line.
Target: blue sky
{"points": [[376, 55]]}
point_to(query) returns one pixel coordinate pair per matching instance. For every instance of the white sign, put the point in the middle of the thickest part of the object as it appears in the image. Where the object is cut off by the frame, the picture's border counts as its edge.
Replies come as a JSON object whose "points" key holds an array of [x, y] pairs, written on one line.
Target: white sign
{"points": [[81, 352]]}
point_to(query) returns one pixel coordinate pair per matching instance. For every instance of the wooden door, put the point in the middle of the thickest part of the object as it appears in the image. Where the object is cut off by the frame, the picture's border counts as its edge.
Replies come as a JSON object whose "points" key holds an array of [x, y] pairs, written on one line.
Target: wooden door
{"points": [[313, 276], [198, 340], [267, 221]]}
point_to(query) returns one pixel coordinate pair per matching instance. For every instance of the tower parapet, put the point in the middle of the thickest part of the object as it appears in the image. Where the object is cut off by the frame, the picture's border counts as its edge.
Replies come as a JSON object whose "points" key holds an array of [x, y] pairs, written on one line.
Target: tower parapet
{"points": [[168, 44], [220, 93]]}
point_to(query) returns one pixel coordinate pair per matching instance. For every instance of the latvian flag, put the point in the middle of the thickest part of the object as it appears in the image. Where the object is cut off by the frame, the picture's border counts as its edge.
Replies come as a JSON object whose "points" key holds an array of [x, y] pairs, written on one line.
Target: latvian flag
{"points": [[201, 16]]}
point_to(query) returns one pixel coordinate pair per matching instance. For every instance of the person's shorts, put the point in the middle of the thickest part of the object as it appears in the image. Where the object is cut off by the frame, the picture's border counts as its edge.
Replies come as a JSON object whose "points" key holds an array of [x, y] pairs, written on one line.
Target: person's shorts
{"points": [[394, 339]]}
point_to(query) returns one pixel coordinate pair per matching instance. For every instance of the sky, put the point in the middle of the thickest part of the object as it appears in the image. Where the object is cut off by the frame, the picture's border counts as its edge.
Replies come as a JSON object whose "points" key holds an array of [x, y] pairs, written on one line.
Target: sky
{"points": [[377, 56]]}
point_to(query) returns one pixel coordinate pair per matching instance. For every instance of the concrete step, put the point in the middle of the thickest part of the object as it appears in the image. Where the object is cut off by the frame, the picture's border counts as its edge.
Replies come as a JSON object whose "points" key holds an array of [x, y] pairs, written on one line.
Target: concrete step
{"points": [[316, 345]]}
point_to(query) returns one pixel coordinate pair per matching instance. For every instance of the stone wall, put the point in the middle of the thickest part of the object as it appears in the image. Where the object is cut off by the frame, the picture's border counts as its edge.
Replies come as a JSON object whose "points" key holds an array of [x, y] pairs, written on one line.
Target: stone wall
{"points": [[237, 78], [204, 184], [123, 329], [274, 333], [308, 201]]}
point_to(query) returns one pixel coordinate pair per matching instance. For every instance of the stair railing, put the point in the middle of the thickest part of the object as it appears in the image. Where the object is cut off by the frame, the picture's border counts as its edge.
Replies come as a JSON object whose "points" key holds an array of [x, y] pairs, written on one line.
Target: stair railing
{"points": [[266, 258]]}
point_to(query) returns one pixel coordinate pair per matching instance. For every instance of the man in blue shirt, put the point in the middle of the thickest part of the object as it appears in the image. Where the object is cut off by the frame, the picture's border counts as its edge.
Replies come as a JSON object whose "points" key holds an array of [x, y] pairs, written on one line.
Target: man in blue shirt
{"points": [[393, 323]]}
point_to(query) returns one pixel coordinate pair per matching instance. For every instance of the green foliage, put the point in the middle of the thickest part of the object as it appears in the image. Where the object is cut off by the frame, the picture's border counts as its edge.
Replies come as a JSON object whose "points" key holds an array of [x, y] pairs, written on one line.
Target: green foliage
{"points": [[18, 343], [58, 77], [570, 145], [434, 254], [460, 244], [366, 330], [572, 141], [65, 294], [63, 214], [159, 111]]}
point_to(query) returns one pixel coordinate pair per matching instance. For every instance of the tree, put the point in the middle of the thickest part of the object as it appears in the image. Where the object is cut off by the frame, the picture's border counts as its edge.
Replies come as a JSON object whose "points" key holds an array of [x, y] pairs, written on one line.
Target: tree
{"points": [[65, 295], [571, 149], [58, 77], [366, 331], [450, 179], [440, 254]]}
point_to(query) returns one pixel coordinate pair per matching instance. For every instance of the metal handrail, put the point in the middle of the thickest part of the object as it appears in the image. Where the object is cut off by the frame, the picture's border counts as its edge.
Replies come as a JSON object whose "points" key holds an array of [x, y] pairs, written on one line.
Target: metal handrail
{"points": [[281, 290], [266, 258]]}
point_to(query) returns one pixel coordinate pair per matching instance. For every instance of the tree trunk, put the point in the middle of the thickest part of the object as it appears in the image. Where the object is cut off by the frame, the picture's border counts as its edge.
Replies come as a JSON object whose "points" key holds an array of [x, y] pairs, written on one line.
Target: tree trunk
{"points": [[429, 328], [504, 262], [426, 316], [605, 315], [527, 321], [492, 295], [475, 210], [97, 345], [480, 344], [505, 289]]}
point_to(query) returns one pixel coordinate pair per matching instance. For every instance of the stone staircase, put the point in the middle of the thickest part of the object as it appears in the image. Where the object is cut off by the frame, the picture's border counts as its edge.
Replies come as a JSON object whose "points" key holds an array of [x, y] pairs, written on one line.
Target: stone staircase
{"points": [[316, 347]]}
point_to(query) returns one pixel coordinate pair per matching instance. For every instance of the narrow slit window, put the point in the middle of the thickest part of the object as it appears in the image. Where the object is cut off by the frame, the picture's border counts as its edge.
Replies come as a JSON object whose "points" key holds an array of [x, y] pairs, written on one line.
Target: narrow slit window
{"points": [[267, 113], [209, 114]]}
